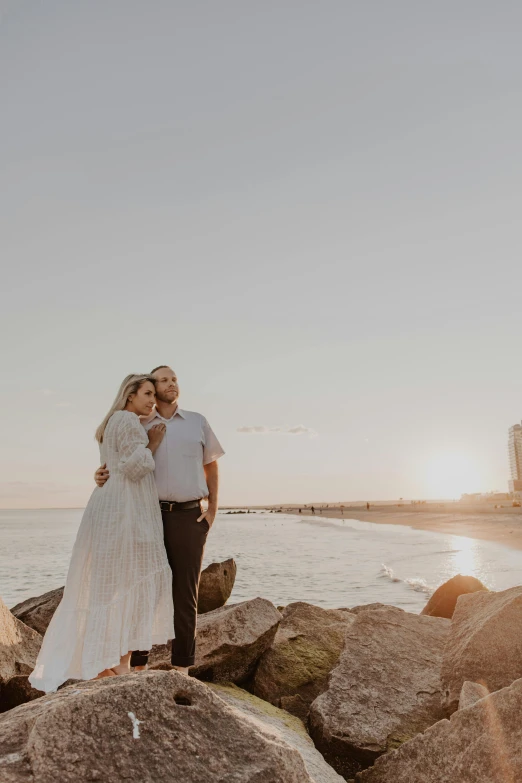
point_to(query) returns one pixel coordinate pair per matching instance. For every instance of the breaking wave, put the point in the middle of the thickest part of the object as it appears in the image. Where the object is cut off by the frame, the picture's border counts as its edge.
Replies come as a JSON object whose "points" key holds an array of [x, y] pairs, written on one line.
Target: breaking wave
{"points": [[418, 585]]}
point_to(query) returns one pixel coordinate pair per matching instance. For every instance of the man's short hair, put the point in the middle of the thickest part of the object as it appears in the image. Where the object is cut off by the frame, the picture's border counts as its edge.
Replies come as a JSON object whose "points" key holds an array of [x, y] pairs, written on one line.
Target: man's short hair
{"points": [[161, 367]]}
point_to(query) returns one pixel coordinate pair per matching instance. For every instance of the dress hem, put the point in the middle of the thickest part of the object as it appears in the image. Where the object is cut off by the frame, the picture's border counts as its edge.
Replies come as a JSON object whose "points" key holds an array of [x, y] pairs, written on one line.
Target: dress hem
{"points": [[72, 667], [52, 685]]}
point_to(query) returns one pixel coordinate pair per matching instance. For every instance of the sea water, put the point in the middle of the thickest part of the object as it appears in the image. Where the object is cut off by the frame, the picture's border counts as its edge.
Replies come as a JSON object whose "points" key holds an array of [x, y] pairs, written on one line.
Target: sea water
{"points": [[327, 562]]}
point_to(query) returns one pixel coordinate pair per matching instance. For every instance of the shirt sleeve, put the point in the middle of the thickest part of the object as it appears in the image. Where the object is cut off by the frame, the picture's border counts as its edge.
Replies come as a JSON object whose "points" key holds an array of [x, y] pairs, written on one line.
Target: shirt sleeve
{"points": [[136, 459], [212, 449]]}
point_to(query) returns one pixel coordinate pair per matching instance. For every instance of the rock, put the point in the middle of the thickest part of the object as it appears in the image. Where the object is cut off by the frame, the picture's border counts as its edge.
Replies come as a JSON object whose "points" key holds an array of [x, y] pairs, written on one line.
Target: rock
{"points": [[444, 600], [230, 641], [471, 693], [482, 744], [154, 727], [286, 726], [215, 586], [485, 643], [37, 612], [306, 647], [385, 689], [19, 645], [367, 607], [17, 691]]}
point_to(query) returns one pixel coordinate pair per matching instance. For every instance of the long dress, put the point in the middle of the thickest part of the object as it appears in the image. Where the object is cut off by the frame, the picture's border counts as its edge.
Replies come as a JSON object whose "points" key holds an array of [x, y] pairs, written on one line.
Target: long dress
{"points": [[118, 592]]}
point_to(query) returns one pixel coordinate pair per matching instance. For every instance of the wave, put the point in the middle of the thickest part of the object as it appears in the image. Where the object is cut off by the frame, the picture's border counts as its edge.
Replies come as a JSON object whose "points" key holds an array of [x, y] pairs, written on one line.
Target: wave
{"points": [[387, 572], [418, 585]]}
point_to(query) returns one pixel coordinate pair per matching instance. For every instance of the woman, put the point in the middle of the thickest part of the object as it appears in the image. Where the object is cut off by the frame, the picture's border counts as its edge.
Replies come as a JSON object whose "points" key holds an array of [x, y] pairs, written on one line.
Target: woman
{"points": [[118, 593]]}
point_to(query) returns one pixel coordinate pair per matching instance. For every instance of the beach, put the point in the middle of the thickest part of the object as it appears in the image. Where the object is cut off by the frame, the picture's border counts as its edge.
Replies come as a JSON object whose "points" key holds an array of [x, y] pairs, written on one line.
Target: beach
{"points": [[480, 521], [325, 559]]}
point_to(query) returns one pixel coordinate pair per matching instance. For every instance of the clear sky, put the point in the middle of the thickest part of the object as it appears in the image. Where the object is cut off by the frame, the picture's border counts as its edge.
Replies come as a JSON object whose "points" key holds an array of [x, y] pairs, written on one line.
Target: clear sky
{"points": [[310, 210]]}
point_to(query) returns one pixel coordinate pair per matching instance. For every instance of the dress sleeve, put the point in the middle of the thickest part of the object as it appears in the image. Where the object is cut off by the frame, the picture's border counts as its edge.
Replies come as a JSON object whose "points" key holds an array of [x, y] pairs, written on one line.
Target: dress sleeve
{"points": [[136, 459], [212, 449]]}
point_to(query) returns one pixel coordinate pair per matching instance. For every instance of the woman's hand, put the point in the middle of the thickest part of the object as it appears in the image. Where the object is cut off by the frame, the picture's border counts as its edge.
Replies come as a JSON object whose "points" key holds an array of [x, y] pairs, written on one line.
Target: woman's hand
{"points": [[156, 434]]}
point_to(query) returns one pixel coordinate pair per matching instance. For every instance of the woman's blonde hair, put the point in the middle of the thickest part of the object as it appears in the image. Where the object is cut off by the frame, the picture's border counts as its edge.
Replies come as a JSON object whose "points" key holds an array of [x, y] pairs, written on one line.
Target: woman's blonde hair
{"points": [[130, 385]]}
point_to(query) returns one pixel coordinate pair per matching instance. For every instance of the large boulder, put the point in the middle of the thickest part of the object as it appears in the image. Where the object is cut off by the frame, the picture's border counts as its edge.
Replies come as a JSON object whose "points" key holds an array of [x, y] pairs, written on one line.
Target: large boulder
{"points": [[286, 726], [484, 644], [230, 641], [444, 600], [154, 727], [307, 645], [37, 612], [481, 744], [385, 689], [215, 585], [19, 645]]}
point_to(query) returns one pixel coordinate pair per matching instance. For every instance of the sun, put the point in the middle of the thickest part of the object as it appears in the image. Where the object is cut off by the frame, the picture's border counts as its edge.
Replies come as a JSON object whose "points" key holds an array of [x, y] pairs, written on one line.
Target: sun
{"points": [[450, 475]]}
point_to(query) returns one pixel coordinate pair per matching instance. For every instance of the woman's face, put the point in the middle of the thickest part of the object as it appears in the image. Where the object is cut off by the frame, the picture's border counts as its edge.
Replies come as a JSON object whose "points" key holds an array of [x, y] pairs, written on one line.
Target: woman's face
{"points": [[143, 401]]}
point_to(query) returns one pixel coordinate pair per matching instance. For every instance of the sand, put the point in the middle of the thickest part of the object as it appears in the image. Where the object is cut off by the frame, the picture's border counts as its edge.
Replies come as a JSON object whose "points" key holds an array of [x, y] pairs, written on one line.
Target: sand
{"points": [[501, 525]]}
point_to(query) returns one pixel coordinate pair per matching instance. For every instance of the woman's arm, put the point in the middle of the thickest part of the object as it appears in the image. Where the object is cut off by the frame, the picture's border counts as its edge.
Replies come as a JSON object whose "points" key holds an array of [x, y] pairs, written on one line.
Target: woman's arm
{"points": [[136, 458]]}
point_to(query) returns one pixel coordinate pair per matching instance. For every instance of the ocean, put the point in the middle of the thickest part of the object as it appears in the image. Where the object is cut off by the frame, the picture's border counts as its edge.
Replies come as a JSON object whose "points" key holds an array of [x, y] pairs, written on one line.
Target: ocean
{"points": [[327, 562]]}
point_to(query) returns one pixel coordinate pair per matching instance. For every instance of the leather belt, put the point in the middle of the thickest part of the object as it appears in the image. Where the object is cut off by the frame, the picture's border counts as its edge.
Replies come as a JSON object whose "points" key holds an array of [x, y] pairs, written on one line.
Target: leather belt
{"points": [[167, 505]]}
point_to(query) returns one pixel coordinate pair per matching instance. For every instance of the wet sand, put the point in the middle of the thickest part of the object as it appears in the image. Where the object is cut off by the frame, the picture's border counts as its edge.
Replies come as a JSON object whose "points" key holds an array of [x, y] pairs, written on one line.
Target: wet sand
{"points": [[502, 525]]}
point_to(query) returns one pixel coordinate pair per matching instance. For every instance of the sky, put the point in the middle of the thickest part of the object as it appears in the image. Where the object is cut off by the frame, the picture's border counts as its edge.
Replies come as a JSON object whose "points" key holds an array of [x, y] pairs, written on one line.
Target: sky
{"points": [[311, 211]]}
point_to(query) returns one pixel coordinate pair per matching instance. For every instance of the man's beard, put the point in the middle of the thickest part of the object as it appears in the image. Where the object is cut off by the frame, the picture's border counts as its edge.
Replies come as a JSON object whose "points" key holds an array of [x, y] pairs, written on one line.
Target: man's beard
{"points": [[167, 399]]}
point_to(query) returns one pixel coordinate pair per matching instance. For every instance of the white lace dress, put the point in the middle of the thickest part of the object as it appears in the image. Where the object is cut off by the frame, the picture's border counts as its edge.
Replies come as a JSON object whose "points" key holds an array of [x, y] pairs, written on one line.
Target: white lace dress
{"points": [[118, 592]]}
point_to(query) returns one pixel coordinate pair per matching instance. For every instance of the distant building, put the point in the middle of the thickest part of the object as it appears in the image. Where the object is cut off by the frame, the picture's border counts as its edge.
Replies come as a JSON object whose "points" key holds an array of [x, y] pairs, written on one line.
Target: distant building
{"points": [[515, 457]]}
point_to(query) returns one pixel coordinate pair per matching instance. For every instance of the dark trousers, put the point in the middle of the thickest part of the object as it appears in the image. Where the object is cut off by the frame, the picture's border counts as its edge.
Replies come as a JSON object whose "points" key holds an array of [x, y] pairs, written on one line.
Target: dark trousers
{"points": [[185, 540]]}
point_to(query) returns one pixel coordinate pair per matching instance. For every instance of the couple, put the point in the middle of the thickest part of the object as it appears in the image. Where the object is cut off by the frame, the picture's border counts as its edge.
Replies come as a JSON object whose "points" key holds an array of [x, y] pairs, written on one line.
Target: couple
{"points": [[135, 566]]}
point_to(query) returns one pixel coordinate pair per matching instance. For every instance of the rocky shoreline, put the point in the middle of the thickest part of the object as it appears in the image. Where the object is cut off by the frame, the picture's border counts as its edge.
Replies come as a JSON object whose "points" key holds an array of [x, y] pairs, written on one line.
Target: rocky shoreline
{"points": [[295, 694]]}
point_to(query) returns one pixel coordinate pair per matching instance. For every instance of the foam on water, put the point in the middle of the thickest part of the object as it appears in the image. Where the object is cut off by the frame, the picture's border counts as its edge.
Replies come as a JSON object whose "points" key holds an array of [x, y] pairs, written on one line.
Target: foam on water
{"points": [[417, 584]]}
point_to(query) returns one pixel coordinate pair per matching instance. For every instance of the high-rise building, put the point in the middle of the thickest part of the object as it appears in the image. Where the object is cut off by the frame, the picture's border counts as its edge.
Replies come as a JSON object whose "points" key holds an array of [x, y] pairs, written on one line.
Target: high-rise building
{"points": [[515, 457]]}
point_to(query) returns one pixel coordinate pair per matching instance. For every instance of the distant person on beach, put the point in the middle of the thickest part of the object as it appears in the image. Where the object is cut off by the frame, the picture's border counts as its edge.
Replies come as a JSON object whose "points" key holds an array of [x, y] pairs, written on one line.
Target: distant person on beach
{"points": [[312, 509], [367, 506], [117, 594], [186, 473]]}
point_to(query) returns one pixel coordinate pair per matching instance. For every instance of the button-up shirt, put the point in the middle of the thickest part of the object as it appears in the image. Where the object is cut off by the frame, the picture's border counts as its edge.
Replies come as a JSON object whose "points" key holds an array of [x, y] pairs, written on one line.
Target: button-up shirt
{"points": [[187, 445]]}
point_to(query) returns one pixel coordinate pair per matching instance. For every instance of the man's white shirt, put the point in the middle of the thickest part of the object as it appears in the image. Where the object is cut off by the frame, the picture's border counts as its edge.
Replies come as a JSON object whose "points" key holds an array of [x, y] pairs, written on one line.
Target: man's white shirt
{"points": [[187, 445]]}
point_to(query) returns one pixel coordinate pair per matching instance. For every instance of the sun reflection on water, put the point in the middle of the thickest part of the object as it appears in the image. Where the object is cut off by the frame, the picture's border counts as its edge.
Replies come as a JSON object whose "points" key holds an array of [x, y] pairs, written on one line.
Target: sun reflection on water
{"points": [[466, 558]]}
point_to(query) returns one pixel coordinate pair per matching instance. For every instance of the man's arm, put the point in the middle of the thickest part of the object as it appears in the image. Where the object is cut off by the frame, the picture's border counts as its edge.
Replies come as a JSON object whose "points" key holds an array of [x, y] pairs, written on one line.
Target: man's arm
{"points": [[101, 475], [212, 478]]}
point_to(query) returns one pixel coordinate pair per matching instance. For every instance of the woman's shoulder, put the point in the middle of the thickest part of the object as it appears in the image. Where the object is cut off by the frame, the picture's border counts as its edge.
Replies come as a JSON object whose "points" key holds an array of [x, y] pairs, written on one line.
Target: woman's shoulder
{"points": [[124, 418]]}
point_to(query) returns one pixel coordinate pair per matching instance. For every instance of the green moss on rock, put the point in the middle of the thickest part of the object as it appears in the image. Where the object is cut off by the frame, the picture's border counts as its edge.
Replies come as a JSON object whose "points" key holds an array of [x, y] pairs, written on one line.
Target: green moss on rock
{"points": [[260, 705]]}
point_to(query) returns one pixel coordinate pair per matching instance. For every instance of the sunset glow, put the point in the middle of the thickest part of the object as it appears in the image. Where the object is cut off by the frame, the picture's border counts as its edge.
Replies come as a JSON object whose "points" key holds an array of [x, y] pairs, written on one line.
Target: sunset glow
{"points": [[450, 475]]}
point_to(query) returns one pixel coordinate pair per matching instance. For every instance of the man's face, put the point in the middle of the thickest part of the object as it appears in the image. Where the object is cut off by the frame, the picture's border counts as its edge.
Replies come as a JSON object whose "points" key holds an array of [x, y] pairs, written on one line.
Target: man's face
{"points": [[167, 389]]}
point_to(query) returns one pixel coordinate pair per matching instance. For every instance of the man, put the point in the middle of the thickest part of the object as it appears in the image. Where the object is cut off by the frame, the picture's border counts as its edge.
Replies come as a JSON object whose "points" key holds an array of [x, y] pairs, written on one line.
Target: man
{"points": [[186, 472]]}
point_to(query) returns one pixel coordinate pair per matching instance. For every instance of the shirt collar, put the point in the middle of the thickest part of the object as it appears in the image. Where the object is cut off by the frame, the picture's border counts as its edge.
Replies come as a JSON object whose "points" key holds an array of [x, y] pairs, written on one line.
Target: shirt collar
{"points": [[156, 415]]}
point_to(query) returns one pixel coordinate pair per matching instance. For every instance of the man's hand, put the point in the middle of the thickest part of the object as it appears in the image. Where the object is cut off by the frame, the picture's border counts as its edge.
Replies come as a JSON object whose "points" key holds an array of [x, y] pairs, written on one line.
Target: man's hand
{"points": [[209, 515], [211, 476], [102, 475]]}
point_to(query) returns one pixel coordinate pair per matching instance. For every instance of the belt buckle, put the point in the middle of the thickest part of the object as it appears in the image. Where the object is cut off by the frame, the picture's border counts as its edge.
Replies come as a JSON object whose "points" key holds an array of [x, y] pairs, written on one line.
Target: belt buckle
{"points": [[165, 503]]}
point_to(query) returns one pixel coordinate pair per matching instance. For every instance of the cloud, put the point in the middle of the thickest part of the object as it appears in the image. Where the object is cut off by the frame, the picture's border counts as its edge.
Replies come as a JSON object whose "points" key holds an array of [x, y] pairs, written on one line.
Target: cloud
{"points": [[64, 405], [263, 429], [47, 392]]}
